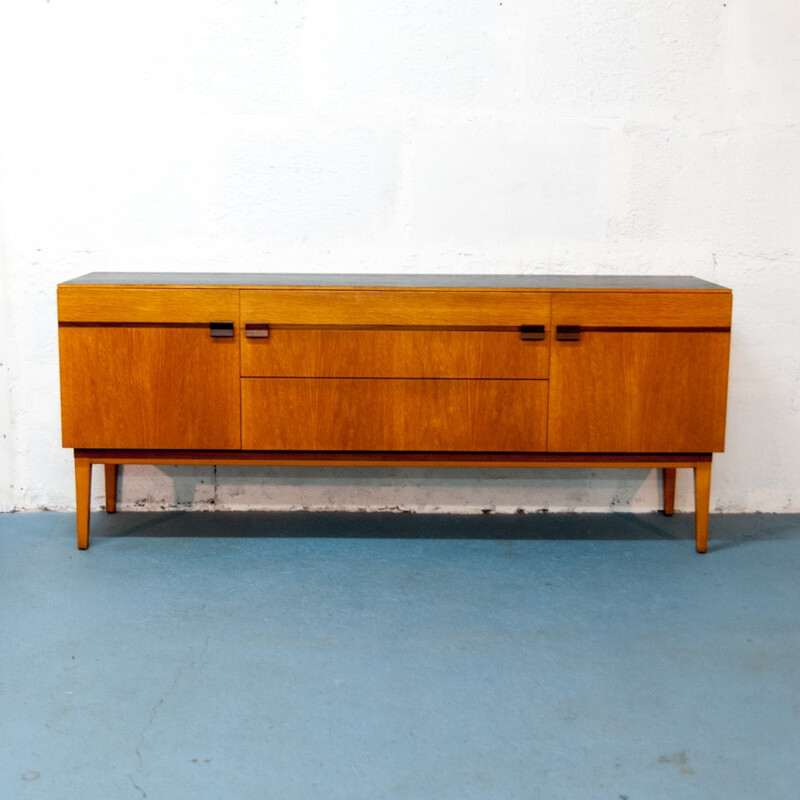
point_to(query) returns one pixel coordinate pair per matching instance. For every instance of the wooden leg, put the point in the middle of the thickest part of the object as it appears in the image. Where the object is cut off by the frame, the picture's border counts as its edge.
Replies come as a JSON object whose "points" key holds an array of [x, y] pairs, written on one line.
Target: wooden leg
{"points": [[702, 500], [111, 487], [83, 494], [668, 483]]}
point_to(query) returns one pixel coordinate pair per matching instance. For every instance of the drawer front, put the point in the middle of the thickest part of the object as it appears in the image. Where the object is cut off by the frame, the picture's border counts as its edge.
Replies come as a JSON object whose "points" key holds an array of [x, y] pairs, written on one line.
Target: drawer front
{"points": [[643, 309], [392, 353], [123, 304], [426, 307], [393, 415]]}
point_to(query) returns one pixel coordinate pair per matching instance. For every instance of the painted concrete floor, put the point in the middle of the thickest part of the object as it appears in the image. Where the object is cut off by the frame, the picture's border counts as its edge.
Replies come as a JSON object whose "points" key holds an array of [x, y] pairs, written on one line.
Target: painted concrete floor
{"points": [[294, 656]]}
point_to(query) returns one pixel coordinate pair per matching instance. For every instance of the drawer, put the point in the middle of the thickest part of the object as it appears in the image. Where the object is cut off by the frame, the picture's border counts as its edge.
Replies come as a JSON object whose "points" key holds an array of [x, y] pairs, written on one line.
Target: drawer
{"points": [[115, 304], [395, 307], [393, 414], [394, 353], [666, 309]]}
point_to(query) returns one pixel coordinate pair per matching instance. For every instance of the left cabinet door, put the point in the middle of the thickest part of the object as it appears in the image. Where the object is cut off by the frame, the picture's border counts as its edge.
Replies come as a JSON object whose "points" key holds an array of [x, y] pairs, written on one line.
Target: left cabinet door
{"points": [[148, 375]]}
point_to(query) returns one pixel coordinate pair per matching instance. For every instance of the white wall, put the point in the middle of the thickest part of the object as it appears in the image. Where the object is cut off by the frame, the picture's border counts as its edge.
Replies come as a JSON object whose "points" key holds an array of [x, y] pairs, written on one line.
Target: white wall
{"points": [[403, 136]]}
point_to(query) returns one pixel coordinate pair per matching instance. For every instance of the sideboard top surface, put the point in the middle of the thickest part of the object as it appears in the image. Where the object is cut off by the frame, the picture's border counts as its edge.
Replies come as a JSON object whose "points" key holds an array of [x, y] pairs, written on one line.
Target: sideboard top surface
{"points": [[378, 281]]}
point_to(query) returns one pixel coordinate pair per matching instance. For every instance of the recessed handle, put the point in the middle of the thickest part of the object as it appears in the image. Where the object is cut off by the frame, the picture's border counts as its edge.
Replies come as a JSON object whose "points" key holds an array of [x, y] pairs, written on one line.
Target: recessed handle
{"points": [[256, 330], [531, 333], [568, 333], [220, 330]]}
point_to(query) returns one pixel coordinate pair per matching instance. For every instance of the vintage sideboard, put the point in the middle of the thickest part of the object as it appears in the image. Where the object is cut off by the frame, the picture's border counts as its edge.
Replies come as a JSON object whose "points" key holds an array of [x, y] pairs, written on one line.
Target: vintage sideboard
{"points": [[412, 370]]}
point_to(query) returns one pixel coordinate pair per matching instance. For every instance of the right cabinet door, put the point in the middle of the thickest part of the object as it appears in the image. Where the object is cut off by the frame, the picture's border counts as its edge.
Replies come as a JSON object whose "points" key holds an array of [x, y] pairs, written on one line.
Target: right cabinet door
{"points": [[642, 380]]}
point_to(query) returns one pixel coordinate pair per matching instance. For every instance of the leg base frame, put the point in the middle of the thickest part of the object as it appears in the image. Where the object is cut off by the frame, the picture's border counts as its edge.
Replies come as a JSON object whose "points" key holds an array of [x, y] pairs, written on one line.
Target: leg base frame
{"points": [[700, 463]]}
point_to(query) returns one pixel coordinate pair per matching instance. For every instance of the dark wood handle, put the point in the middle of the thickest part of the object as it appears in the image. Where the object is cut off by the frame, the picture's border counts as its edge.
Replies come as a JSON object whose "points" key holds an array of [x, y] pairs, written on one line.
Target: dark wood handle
{"points": [[220, 330], [256, 330], [568, 333], [531, 333]]}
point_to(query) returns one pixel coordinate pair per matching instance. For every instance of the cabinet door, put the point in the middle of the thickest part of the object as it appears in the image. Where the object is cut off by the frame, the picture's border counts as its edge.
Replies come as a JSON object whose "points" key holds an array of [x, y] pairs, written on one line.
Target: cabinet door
{"points": [[639, 391], [148, 386]]}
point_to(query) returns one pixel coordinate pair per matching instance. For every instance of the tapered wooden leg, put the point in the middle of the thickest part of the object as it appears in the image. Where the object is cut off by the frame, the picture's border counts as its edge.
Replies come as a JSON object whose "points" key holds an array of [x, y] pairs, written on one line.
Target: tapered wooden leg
{"points": [[668, 483], [83, 493], [702, 500], [111, 487]]}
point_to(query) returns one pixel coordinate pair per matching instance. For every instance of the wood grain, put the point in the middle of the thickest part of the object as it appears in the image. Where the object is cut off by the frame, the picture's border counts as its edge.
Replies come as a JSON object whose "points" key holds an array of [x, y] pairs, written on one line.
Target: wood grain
{"points": [[148, 387], [387, 415], [668, 480], [337, 353], [83, 496], [79, 303], [398, 307], [639, 392], [111, 475], [642, 309], [702, 501]]}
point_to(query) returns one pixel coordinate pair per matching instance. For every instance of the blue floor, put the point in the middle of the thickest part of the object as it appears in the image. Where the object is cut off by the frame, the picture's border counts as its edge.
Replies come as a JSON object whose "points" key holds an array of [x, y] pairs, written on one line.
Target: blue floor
{"points": [[356, 656]]}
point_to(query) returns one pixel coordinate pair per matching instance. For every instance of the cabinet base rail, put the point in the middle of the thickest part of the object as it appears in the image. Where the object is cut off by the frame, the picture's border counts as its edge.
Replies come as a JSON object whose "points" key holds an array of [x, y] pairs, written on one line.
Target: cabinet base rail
{"points": [[700, 463]]}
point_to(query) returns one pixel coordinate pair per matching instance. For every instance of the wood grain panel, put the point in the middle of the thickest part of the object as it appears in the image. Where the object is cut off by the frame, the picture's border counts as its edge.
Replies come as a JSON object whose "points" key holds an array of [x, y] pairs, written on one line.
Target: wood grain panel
{"points": [[382, 353], [78, 303], [643, 309], [639, 392], [395, 307], [148, 388], [390, 415]]}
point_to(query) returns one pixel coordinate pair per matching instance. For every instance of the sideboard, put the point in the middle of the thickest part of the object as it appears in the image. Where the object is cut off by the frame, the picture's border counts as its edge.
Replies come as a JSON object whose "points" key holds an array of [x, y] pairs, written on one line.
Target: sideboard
{"points": [[423, 370]]}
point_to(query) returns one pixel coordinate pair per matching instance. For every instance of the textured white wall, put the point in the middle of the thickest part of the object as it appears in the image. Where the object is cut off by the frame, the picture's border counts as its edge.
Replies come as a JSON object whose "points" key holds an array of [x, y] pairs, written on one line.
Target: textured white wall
{"points": [[403, 136]]}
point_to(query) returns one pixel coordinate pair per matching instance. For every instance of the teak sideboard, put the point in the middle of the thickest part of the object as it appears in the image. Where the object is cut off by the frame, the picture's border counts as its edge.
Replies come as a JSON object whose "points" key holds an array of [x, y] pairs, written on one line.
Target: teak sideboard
{"points": [[489, 371]]}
